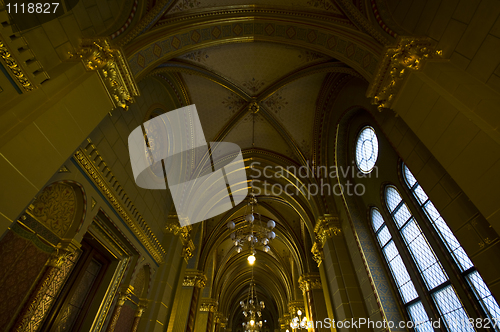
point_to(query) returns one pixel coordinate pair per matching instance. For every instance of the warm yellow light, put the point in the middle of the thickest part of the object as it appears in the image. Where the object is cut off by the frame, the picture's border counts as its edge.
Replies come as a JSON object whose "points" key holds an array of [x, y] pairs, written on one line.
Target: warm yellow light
{"points": [[251, 259], [252, 322], [299, 312]]}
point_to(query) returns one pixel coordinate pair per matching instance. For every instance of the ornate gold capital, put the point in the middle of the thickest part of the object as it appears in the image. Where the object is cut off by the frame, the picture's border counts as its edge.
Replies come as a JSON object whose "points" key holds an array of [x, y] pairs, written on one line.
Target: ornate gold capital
{"points": [[140, 310], [294, 306], [185, 236], [409, 54], [194, 278], [112, 67], [284, 321], [309, 281], [209, 306], [124, 295], [65, 249], [326, 227]]}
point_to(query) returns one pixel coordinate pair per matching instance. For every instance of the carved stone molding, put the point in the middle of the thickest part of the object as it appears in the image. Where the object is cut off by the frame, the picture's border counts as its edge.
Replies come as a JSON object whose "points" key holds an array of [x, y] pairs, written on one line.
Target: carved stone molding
{"points": [[112, 67], [309, 281], [194, 278], [326, 227], [409, 53], [209, 306]]}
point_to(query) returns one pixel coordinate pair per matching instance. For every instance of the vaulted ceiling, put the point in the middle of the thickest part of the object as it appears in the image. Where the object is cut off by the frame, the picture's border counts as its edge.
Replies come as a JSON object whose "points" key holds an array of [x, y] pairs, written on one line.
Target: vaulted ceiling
{"points": [[229, 57]]}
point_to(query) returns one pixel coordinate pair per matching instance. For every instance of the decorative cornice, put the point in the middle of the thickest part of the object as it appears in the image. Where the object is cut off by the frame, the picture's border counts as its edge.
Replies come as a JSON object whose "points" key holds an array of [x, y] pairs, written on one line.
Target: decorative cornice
{"points": [[18, 58], [194, 278], [326, 227], [112, 67], [95, 170], [310, 281], [409, 53]]}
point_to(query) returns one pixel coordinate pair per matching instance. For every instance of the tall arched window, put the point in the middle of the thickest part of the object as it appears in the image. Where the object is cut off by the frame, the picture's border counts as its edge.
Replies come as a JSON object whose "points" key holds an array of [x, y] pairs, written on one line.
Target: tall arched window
{"points": [[436, 280], [469, 272], [416, 247], [400, 274]]}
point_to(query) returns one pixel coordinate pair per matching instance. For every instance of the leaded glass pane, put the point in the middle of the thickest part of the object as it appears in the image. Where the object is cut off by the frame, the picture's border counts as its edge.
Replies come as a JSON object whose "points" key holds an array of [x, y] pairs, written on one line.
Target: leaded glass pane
{"points": [[409, 178], [419, 317], [423, 255], [484, 295], [402, 215], [420, 194], [383, 236], [451, 310], [392, 197], [377, 219], [366, 150]]}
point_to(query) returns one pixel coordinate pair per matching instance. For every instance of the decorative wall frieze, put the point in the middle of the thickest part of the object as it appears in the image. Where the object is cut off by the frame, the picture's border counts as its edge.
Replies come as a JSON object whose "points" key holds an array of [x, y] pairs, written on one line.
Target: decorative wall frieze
{"points": [[98, 55], [310, 281], [194, 278], [209, 305], [326, 227], [409, 53], [96, 168]]}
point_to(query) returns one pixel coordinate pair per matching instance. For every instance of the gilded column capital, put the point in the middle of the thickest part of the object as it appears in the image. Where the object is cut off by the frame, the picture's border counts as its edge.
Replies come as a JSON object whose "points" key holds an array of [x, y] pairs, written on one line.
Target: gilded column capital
{"points": [[194, 278], [317, 251], [124, 295], [310, 281], [409, 53], [140, 310], [184, 234], [209, 305], [284, 321], [294, 306], [326, 227], [65, 249], [98, 55]]}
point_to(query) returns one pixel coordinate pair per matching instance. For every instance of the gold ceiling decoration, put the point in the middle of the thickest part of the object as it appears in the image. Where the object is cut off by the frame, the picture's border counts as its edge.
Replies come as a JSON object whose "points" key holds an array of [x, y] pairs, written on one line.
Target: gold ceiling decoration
{"points": [[410, 53], [112, 67]]}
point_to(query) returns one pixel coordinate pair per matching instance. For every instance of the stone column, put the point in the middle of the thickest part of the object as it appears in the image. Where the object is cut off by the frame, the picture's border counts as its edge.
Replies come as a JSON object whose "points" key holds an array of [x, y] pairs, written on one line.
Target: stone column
{"points": [[58, 267], [197, 280], [122, 297], [138, 314]]}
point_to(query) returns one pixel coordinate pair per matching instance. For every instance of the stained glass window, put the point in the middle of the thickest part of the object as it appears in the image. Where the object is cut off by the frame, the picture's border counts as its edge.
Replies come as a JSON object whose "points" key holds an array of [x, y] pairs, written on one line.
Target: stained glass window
{"points": [[366, 149]]}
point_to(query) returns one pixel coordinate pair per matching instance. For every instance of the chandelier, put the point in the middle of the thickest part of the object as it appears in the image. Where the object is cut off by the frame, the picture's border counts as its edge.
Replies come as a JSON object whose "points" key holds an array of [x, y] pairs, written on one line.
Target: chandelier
{"points": [[254, 232], [252, 309]]}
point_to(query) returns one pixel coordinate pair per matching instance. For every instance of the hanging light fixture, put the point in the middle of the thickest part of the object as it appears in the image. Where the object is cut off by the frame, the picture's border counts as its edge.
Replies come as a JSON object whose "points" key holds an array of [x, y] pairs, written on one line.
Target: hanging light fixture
{"points": [[252, 309], [254, 231]]}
